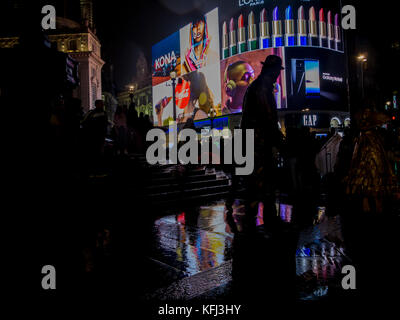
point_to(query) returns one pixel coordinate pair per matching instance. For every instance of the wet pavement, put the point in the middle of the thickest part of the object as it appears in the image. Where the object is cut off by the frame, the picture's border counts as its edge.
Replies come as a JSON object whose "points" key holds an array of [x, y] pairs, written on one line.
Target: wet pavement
{"points": [[195, 251], [191, 242], [201, 253]]}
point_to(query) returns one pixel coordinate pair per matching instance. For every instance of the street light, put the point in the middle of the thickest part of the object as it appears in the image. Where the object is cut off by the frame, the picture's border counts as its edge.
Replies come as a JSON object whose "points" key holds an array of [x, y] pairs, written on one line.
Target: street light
{"points": [[362, 59], [173, 78], [131, 90]]}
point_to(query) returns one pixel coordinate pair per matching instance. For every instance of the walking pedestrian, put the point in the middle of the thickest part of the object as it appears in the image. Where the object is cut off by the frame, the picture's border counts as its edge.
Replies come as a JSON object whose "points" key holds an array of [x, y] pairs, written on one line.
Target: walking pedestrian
{"points": [[121, 130], [260, 114], [371, 179], [95, 128]]}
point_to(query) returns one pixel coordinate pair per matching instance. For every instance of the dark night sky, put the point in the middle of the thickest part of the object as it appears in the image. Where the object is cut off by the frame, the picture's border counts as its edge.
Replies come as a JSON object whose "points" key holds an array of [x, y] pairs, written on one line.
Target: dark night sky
{"points": [[127, 28]]}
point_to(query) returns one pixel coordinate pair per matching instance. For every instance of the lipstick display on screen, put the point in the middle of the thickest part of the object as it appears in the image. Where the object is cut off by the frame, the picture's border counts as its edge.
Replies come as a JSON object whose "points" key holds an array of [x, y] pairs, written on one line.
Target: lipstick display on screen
{"points": [[322, 30], [338, 35], [232, 38], [225, 41], [312, 28], [331, 32], [277, 40], [252, 33], [290, 39], [301, 27], [265, 41], [242, 46]]}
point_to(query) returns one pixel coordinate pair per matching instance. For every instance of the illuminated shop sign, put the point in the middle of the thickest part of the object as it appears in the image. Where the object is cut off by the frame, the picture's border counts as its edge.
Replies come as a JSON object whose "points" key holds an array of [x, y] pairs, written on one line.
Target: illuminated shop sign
{"points": [[310, 120]]}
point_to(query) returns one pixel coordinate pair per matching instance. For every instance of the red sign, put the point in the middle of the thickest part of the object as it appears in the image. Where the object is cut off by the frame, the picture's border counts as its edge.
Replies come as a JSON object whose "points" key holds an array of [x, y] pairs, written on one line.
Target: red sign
{"points": [[182, 94]]}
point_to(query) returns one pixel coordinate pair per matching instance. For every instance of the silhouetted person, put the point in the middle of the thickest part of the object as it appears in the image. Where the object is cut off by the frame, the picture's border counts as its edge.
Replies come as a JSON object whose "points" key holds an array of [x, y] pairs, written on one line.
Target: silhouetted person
{"points": [[95, 126], [369, 224], [132, 116], [72, 122], [140, 133], [147, 123], [132, 120], [260, 114], [306, 194], [121, 130], [371, 180]]}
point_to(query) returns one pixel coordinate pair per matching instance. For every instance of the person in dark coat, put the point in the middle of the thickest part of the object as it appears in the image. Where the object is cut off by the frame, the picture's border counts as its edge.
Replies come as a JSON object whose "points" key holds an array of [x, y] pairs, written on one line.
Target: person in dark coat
{"points": [[95, 128], [260, 114]]}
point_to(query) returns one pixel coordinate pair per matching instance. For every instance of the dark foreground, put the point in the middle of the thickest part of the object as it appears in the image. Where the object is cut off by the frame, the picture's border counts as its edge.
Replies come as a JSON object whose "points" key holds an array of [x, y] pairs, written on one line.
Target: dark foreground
{"points": [[107, 240]]}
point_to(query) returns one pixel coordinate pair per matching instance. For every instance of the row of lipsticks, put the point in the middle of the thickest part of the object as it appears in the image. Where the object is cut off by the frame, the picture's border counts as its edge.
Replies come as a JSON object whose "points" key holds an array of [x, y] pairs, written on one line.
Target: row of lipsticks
{"points": [[325, 34]]}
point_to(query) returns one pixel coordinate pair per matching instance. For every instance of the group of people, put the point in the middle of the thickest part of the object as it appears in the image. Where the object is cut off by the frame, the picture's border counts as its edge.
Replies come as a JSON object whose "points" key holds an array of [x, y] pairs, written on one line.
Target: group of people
{"points": [[84, 136], [360, 192], [129, 131], [364, 170]]}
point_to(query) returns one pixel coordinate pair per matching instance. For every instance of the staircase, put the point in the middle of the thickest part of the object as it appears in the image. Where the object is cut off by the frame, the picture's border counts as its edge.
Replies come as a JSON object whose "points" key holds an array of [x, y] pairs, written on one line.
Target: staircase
{"points": [[173, 185]]}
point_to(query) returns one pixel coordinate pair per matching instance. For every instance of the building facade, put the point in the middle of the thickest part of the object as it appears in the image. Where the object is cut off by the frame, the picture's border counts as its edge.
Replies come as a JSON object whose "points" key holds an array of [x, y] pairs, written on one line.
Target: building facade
{"points": [[142, 98], [81, 43]]}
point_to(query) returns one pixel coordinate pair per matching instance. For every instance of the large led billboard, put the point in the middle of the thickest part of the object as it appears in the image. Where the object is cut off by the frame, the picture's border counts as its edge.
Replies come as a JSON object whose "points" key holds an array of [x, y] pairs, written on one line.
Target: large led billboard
{"points": [[305, 34], [198, 87], [226, 46]]}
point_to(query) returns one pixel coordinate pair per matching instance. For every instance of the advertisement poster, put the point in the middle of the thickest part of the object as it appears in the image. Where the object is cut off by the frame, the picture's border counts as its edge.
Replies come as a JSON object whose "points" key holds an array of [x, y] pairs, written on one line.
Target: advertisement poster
{"points": [[197, 87], [239, 71], [200, 42], [247, 23], [232, 40], [165, 59], [195, 93], [316, 79]]}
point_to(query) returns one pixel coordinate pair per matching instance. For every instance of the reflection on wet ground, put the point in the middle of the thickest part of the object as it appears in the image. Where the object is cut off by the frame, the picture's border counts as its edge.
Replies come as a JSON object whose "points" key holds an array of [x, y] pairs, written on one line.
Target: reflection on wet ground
{"points": [[194, 250], [192, 242]]}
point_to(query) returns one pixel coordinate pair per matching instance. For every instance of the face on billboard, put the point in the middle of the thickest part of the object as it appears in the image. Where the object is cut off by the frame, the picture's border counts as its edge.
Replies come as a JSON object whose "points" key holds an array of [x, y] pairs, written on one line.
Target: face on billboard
{"points": [[198, 87], [200, 42], [315, 79], [239, 71], [308, 32], [305, 34]]}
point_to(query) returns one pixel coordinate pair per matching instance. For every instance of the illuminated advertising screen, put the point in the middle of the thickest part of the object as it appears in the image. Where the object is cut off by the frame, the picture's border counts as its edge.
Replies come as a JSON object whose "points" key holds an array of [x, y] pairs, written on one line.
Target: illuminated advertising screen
{"points": [[305, 34], [200, 42], [315, 79], [165, 59], [198, 86], [219, 54], [238, 71]]}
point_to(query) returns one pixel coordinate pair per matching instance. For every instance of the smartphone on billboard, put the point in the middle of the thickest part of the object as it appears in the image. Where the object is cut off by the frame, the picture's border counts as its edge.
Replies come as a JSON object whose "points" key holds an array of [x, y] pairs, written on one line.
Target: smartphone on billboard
{"points": [[305, 79], [297, 77], [312, 82]]}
